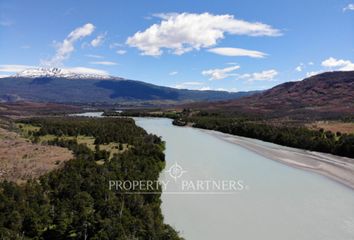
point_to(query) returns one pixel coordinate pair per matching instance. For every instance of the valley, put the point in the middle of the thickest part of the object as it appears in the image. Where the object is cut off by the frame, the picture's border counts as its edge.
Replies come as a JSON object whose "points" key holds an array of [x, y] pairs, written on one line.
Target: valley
{"points": [[155, 120], [105, 143]]}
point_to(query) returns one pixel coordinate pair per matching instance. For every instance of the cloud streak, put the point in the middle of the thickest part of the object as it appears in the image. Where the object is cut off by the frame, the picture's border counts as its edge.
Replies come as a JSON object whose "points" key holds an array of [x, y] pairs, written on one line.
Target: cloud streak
{"points": [[106, 63], [188, 85], [86, 70], [266, 75], [65, 48], [220, 73], [94, 56], [237, 52], [121, 52], [98, 41]]}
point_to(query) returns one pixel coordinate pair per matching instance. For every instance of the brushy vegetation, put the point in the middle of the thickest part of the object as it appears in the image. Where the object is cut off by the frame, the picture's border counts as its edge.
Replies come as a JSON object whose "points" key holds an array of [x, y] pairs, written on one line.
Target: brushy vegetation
{"points": [[75, 202]]}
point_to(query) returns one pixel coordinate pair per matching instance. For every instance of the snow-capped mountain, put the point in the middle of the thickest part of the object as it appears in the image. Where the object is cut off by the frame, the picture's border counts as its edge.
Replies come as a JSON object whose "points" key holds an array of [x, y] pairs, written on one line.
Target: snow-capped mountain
{"points": [[84, 85], [76, 73]]}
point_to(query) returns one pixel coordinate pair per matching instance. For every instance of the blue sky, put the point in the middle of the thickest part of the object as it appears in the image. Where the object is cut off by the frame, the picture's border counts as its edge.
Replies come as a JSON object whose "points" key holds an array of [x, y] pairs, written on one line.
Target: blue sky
{"points": [[231, 45]]}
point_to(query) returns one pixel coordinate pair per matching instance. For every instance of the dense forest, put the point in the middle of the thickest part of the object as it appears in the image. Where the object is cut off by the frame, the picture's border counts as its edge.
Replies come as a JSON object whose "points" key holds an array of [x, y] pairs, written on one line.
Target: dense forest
{"points": [[292, 136], [74, 202]]}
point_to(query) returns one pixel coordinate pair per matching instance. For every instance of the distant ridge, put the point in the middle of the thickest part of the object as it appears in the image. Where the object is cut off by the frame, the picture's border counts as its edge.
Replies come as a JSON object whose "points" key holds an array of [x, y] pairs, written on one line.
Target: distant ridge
{"points": [[65, 86], [328, 94]]}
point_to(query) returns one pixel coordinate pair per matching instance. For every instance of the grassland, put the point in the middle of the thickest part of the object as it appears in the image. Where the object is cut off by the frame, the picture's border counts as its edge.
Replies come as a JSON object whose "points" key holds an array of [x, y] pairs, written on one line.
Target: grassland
{"points": [[27, 131]]}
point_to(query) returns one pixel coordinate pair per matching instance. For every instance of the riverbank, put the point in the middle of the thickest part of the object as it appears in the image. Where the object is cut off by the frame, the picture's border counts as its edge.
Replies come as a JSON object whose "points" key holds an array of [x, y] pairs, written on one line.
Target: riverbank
{"points": [[283, 202], [340, 169]]}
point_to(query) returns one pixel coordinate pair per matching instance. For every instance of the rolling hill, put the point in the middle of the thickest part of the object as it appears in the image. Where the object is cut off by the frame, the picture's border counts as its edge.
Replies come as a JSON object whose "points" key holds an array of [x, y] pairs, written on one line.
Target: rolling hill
{"points": [[328, 95]]}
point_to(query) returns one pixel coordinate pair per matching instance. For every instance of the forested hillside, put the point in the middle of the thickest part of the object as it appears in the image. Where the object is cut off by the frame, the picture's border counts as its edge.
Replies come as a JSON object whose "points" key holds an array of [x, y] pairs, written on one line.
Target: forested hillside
{"points": [[75, 202]]}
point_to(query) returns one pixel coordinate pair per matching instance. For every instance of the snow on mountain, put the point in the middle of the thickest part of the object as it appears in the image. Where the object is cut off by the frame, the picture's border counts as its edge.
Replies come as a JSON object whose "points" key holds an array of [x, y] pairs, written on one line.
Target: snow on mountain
{"points": [[61, 73]]}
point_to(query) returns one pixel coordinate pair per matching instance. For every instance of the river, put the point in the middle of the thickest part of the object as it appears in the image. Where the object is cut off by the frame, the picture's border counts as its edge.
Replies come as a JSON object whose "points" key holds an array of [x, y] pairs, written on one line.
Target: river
{"points": [[278, 202]]}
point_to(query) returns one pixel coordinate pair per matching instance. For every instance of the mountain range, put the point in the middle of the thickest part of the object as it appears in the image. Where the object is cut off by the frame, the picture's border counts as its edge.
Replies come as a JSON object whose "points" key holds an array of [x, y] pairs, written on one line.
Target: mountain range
{"points": [[63, 86], [329, 94]]}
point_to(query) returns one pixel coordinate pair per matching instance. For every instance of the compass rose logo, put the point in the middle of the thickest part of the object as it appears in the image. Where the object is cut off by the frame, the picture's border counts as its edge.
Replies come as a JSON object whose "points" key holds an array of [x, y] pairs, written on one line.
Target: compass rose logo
{"points": [[176, 171]]}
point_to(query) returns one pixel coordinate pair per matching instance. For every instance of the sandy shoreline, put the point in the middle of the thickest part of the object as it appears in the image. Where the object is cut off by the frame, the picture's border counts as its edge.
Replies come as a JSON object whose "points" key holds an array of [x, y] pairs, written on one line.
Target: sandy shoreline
{"points": [[340, 169]]}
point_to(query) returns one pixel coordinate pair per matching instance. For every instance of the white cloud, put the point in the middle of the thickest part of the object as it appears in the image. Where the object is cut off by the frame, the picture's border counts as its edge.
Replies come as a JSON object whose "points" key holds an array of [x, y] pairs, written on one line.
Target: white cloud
{"points": [[298, 68], [121, 52], [303, 66], [12, 68], [173, 73], [220, 73], [199, 86], [338, 64], [226, 90], [65, 48], [188, 85], [312, 73], [349, 7], [205, 88], [234, 52], [98, 40], [94, 56], [334, 64], [106, 63], [85, 70], [266, 75], [184, 32], [221, 89]]}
